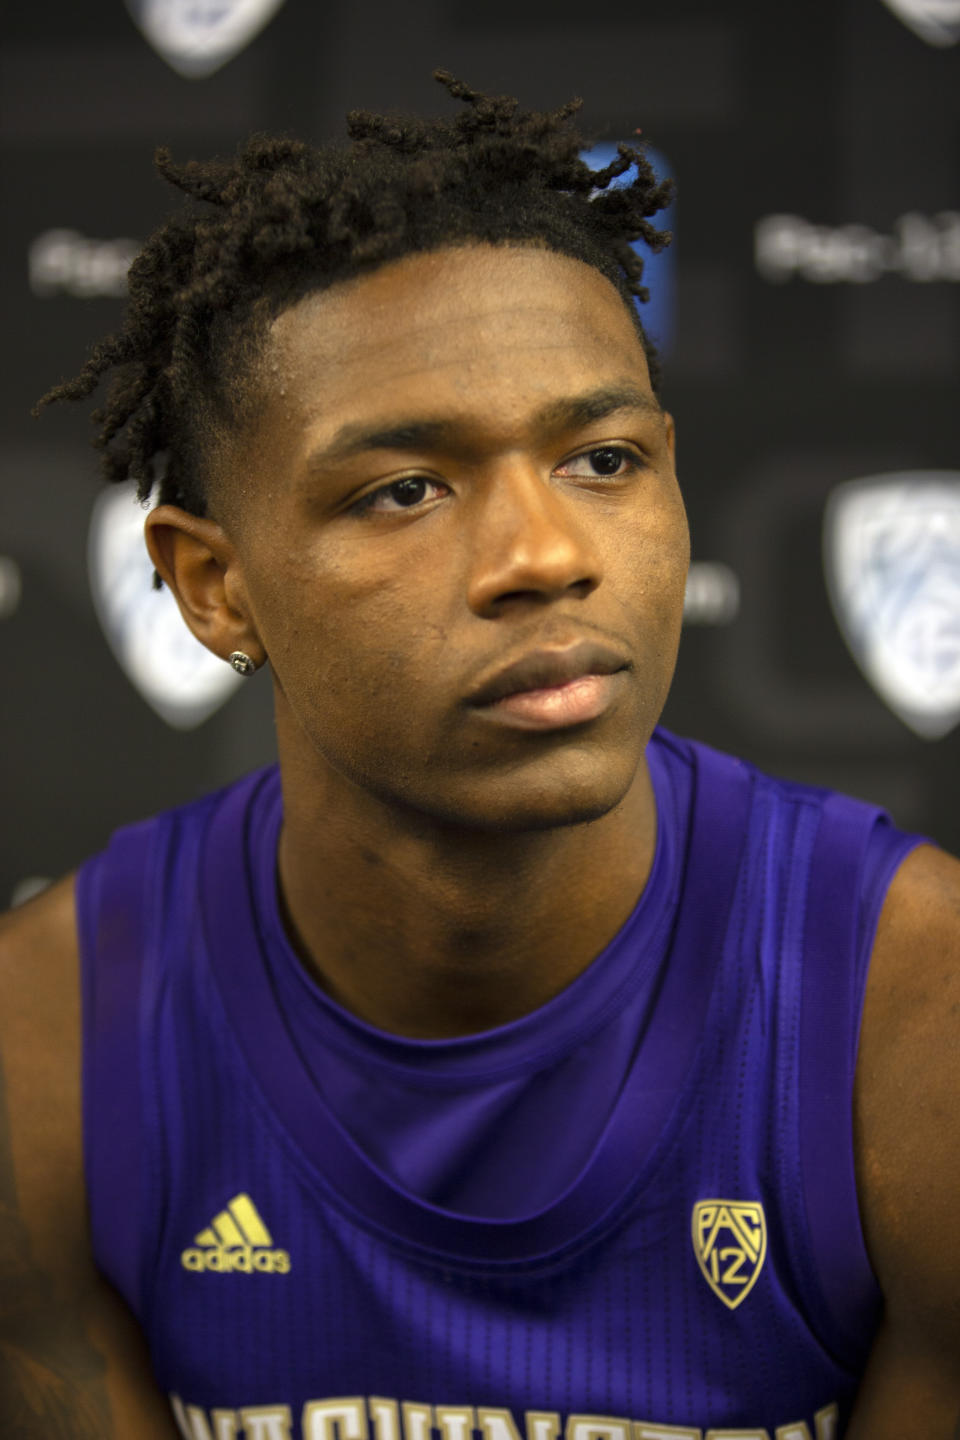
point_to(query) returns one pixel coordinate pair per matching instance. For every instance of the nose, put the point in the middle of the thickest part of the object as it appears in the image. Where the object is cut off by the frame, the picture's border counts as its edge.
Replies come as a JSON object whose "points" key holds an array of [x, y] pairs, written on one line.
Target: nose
{"points": [[528, 542]]}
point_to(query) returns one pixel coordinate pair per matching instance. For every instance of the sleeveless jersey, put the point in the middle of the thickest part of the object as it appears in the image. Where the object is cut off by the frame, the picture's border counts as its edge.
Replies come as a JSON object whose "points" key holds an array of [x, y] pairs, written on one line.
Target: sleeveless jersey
{"points": [[629, 1215]]}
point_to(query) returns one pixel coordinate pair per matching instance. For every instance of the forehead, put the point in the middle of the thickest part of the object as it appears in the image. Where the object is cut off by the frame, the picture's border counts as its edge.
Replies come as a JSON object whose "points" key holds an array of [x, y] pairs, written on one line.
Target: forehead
{"points": [[461, 329]]}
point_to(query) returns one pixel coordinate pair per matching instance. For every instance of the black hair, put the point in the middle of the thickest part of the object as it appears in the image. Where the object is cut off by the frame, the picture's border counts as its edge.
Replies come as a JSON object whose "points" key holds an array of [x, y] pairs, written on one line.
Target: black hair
{"points": [[284, 218]]}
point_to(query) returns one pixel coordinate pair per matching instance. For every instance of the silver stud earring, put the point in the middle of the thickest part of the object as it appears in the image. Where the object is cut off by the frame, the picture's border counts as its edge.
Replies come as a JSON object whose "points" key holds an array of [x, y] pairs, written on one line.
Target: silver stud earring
{"points": [[242, 663]]}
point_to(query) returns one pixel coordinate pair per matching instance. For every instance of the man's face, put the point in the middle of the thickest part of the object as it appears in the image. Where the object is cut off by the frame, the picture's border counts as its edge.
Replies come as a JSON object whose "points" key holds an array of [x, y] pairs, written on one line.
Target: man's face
{"points": [[460, 465]]}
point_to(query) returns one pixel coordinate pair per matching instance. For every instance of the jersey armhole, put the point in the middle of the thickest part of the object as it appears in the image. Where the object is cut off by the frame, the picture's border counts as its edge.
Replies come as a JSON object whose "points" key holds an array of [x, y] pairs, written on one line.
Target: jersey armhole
{"points": [[111, 915], [855, 855]]}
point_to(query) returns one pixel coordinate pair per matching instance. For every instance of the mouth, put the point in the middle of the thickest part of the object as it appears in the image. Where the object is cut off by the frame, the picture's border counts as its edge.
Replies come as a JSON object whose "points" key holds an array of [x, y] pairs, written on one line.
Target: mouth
{"points": [[550, 689]]}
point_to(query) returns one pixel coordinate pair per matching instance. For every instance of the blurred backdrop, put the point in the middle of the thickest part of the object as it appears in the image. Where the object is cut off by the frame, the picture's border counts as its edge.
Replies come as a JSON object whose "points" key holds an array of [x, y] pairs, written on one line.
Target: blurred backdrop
{"points": [[809, 314]]}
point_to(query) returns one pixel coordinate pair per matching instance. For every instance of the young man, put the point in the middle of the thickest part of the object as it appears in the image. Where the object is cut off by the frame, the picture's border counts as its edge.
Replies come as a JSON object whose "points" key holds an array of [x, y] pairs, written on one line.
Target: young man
{"points": [[489, 1069]]}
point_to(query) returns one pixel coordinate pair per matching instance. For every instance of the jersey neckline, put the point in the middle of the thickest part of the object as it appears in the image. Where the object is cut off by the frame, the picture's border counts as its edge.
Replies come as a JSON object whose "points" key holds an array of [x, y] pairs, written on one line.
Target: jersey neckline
{"points": [[527, 1043], [242, 845]]}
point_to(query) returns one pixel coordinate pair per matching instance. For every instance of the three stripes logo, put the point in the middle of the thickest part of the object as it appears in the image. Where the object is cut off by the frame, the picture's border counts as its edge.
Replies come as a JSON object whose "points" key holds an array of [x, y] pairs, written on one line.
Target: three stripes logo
{"points": [[236, 1240]]}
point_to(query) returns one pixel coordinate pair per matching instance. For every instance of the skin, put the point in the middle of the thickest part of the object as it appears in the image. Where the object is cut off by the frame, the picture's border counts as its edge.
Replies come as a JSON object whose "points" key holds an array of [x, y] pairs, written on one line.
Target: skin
{"points": [[483, 846], [378, 624]]}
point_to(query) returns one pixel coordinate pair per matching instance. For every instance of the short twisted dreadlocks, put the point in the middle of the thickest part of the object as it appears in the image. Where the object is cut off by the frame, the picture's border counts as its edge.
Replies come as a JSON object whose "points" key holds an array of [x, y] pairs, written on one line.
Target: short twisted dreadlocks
{"points": [[283, 219]]}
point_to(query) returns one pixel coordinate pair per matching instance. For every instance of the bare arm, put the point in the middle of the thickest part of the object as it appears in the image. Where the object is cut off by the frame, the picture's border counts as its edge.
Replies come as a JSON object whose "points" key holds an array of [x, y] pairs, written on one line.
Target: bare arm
{"points": [[907, 1127], [72, 1361]]}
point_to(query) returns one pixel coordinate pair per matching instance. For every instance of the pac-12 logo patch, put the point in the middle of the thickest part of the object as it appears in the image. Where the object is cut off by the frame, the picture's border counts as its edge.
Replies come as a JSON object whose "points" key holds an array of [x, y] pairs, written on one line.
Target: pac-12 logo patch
{"points": [[730, 1243], [892, 561]]}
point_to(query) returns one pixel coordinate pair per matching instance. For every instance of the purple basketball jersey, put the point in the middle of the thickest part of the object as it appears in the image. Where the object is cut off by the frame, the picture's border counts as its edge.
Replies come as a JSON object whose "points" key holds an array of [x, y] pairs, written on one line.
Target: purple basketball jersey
{"points": [[630, 1215]]}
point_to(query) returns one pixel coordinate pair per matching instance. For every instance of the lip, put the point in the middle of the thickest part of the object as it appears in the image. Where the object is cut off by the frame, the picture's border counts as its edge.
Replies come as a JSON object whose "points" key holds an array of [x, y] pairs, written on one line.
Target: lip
{"points": [[548, 669], [556, 707]]}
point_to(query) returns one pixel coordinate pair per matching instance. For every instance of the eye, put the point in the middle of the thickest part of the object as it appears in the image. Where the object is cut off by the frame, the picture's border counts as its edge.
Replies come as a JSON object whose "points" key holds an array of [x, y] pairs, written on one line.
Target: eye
{"points": [[603, 461], [399, 495]]}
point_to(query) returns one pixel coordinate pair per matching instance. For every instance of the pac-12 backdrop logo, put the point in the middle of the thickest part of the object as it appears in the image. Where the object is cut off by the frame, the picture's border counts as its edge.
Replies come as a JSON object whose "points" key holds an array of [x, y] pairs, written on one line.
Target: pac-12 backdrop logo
{"points": [[659, 270], [936, 21], [173, 672], [730, 1243], [196, 37], [892, 560]]}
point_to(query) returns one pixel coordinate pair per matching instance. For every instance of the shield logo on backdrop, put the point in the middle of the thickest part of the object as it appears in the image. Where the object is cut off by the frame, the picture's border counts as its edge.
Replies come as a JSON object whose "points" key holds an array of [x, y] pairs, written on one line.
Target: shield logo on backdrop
{"points": [[892, 561], [936, 21], [196, 37], [730, 1243], [173, 672]]}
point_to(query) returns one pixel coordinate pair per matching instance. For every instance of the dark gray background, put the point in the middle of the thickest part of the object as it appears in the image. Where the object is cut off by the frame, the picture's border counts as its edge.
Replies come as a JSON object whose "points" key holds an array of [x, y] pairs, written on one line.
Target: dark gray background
{"points": [[834, 111]]}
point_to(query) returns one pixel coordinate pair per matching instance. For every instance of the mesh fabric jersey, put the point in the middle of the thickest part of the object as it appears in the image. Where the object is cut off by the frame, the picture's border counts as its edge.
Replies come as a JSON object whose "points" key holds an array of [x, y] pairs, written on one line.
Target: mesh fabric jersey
{"points": [[630, 1210]]}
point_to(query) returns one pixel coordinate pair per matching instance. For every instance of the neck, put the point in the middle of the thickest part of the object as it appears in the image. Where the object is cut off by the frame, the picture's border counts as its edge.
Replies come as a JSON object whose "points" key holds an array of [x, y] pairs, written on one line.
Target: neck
{"points": [[427, 931]]}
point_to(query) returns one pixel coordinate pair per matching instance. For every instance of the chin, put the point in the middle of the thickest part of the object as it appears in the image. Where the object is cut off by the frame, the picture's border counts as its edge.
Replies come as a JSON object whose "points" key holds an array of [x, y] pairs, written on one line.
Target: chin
{"points": [[520, 822], [521, 803]]}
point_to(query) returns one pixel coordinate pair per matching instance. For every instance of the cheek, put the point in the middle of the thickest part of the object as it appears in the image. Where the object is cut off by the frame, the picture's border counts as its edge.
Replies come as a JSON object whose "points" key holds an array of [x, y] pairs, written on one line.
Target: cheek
{"points": [[652, 551], [347, 653]]}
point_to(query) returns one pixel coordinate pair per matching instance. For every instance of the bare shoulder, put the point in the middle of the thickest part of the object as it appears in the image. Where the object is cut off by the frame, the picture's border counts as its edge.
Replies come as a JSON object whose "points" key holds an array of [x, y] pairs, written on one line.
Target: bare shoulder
{"points": [[907, 1109], [72, 1361], [49, 919], [40, 1044], [39, 961], [43, 1261]]}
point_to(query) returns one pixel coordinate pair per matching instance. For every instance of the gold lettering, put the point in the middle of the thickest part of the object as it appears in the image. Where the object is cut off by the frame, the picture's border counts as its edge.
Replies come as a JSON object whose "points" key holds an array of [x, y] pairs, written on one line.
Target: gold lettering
{"points": [[267, 1422], [643, 1430], [347, 1419], [385, 1417], [750, 1237], [335, 1419], [497, 1425], [736, 1435], [417, 1420], [730, 1275], [542, 1425], [455, 1422], [192, 1422], [597, 1427]]}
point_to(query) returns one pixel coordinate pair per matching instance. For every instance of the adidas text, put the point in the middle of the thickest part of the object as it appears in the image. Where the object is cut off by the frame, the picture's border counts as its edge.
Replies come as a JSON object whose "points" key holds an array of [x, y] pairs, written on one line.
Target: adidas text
{"points": [[244, 1259]]}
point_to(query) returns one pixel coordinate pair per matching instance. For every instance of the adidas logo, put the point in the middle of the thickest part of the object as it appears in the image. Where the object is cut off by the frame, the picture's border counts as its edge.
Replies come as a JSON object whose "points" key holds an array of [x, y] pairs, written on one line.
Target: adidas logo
{"points": [[236, 1239]]}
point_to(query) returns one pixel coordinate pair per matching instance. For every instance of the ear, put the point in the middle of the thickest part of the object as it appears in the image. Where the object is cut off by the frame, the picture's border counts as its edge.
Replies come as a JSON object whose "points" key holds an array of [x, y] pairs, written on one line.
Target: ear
{"points": [[195, 559]]}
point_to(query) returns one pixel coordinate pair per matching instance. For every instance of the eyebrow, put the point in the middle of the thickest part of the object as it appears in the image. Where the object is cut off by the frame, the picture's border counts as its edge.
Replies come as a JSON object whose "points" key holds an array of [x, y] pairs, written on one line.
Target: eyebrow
{"points": [[567, 413]]}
